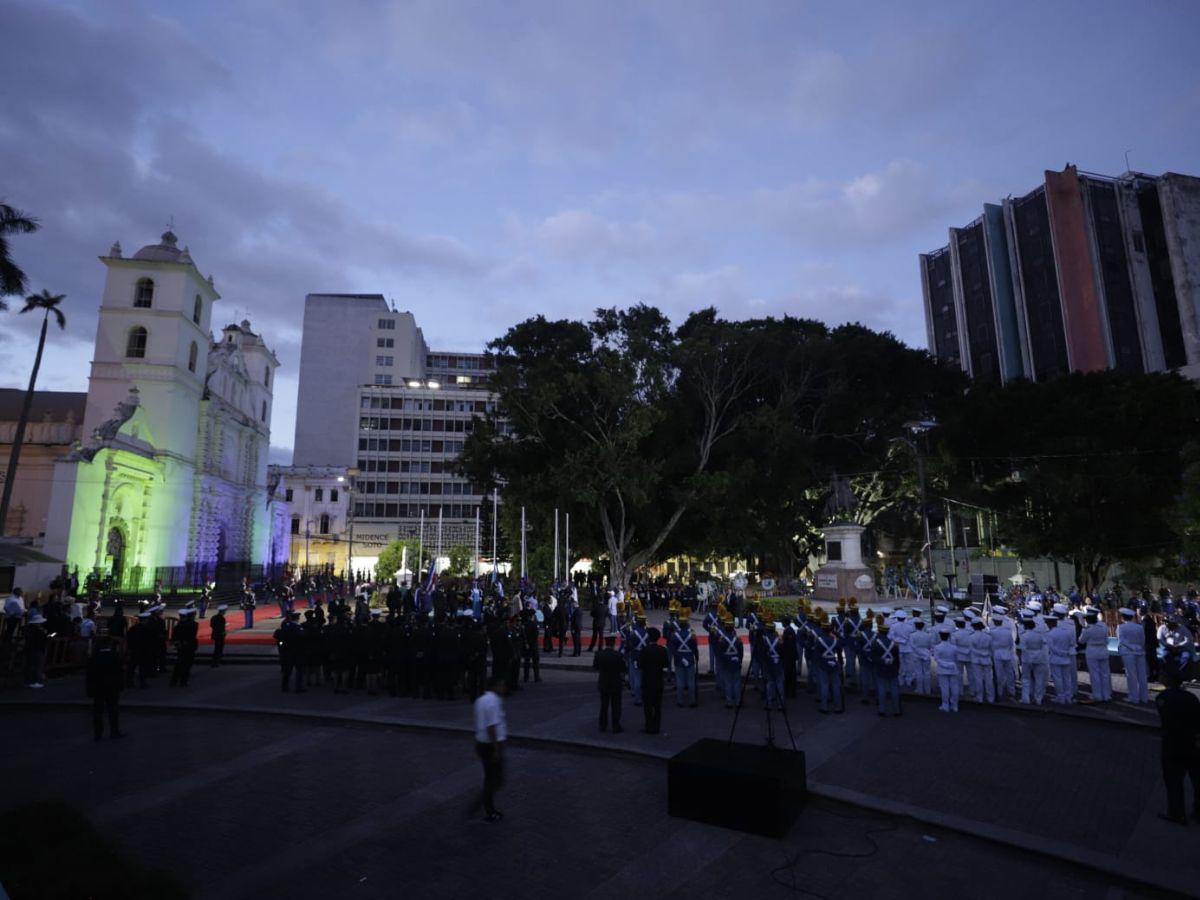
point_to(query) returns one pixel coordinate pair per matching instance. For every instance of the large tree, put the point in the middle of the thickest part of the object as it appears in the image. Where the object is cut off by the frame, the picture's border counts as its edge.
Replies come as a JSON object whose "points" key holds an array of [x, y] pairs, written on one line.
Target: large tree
{"points": [[1088, 468], [48, 304], [618, 419], [12, 278]]}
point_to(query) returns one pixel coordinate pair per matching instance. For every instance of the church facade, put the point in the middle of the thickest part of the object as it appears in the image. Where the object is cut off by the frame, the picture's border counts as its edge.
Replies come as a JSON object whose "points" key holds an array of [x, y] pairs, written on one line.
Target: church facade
{"points": [[169, 482]]}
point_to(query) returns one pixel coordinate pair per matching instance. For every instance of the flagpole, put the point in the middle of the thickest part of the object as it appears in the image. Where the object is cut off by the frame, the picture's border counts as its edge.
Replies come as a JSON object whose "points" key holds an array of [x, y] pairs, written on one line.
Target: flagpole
{"points": [[567, 548], [522, 542], [439, 543], [475, 566], [495, 558], [420, 543], [403, 559], [556, 545]]}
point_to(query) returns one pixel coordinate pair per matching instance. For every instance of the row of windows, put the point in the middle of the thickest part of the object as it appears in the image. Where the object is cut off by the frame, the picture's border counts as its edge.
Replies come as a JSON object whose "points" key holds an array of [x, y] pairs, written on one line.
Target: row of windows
{"points": [[417, 466], [318, 495], [323, 524], [406, 445], [143, 298], [418, 487], [139, 339], [385, 342], [442, 361], [414, 510], [384, 380], [451, 426], [427, 404], [387, 324], [384, 360]]}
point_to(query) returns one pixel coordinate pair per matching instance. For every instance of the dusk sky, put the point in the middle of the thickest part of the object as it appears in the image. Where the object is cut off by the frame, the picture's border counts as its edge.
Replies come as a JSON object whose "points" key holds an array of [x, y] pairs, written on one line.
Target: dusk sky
{"points": [[479, 163]]}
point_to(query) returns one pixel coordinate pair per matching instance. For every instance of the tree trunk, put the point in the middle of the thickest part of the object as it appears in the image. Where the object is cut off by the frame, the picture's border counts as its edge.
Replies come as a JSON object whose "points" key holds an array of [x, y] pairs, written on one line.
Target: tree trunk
{"points": [[19, 438]]}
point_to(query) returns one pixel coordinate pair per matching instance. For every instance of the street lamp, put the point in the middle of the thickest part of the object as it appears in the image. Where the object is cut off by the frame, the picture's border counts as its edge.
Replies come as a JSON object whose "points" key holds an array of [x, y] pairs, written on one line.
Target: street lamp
{"points": [[921, 426], [350, 517]]}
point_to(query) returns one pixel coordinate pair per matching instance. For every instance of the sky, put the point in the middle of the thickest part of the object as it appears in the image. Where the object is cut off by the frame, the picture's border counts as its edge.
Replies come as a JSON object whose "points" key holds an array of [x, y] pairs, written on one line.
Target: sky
{"points": [[479, 163]]}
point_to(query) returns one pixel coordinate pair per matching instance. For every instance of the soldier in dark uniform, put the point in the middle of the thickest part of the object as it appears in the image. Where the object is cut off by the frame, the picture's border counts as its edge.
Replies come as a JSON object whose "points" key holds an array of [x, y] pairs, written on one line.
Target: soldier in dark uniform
{"points": [[158, 628], [653, 663], [791, 653], [424, 655], [399, 650], [446, 648], [376, 650], [610, 663], [475, 658], [116, 622], [217, 627], [338, 653], [105, 679], [599, 614], [576, 617], [290, 638], [529, 649], [141, 650], [516, 644], [186, 641], [1179, 712], [313, 647]]}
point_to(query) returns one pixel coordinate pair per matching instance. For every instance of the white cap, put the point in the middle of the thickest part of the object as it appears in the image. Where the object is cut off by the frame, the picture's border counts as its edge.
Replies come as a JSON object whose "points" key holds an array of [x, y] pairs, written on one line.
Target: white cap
{"points": [[187, 611], [942, 609], [1035, 605], [1060, 608], [36, 618], [901, 614], [1126, 611], [223, 607]]}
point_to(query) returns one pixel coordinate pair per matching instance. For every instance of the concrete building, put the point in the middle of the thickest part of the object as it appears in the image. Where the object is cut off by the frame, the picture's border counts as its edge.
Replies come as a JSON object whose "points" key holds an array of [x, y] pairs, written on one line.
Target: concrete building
{"points": [[55, 425], [1085, 272], [168, 477], [377, 404]]}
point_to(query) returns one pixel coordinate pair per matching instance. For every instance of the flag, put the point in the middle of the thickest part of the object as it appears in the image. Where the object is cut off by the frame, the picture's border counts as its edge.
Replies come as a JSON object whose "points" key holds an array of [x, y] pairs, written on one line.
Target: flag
{"points": [[432, 578]]}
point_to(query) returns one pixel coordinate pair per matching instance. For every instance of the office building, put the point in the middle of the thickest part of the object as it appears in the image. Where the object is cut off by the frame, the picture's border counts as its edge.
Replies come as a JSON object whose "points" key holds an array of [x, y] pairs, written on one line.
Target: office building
{"points": [[377, 404], [1085, 272]]}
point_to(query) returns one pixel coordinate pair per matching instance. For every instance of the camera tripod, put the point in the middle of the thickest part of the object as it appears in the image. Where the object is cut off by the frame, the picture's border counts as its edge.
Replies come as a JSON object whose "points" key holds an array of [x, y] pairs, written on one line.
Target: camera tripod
{"points": [[770, 723]]}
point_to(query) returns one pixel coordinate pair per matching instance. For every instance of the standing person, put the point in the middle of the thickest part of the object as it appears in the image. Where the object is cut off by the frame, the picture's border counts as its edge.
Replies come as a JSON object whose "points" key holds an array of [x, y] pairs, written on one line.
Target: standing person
{"points": [[598, 612], [186, 641], [1094, 640], [982, 684], [1131, 644], [1179, 713], [35, 650], [217, 627], [1060, 651], [946, 657], [205, 597], [575, 614], [529, 651], [920, 644], [610, 663], [1003, 654], [686, 655], [887, 671], [729, 663], [1150, 643], [612, 611], [14, 612], [827, 667], [653, 662], [290, 638], [248, 604], [491, 731], [1034, 661], [105, 678]]}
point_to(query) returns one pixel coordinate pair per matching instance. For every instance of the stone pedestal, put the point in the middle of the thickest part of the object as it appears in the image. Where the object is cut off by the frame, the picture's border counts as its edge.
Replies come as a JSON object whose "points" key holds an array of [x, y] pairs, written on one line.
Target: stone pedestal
{"points": [[843, 574]]}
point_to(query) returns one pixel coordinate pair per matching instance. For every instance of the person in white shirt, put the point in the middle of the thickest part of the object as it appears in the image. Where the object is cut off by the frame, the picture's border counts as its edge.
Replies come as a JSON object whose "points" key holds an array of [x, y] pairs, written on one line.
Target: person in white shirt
{"points": [[1060, 649], [983, 686], [1003, 654], [491, 731], [14, 612], [920, 643], [612, 612], [1094, 640], [945, 654], [1131, 644]]}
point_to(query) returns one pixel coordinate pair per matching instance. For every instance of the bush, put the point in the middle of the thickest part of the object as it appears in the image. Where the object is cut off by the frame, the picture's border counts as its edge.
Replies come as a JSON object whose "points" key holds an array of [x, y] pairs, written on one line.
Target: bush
{"points": [[779, 606], [49, 850]]}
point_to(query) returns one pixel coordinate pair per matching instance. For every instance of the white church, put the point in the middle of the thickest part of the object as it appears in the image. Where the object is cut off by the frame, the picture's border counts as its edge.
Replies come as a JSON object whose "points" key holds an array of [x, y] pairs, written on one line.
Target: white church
{"points": [[169, 479]]}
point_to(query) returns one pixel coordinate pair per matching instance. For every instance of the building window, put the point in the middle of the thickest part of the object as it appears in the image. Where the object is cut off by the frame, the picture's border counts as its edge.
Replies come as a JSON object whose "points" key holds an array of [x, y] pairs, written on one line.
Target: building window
{"points": [[143, 293], [324, 523], [387, 324], [295, 524], [318, 495], [264, 410], [267, 376], [385, 342], [135, 347], [192, 357], [287, 495], [197, 309], [383, 360], [383, 379], [333, 495]]}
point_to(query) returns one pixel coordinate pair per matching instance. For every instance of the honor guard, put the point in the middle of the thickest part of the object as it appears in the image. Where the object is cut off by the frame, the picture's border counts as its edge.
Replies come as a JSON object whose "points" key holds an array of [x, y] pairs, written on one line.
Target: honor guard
{"points": [[1060, 656], [731, 654], [920, 644], [1094, 640], [946, 657], [827, 665], [685, 654], [1034, 663], [1131, 644], [771, 651], [887, 670], [638, 640]]}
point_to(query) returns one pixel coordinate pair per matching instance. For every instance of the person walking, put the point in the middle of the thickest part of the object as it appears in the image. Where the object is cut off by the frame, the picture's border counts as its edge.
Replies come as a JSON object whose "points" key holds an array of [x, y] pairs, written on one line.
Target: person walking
{"points": [[611, 666], [653, 662], [491, 731], [105, 678]]}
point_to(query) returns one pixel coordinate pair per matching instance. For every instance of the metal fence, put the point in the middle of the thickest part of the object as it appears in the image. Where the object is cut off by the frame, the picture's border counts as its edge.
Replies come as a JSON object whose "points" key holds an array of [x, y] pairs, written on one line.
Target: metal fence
{"points": [[189, 576]]}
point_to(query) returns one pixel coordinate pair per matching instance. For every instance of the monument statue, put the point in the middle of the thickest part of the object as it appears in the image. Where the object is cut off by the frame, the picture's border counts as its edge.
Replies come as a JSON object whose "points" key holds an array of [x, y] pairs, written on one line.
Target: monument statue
{"points": [[841, 503]]}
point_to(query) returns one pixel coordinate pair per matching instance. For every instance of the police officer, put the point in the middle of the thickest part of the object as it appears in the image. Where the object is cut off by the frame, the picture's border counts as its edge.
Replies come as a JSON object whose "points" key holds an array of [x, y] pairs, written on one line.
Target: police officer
{"points": [[217, 629]]}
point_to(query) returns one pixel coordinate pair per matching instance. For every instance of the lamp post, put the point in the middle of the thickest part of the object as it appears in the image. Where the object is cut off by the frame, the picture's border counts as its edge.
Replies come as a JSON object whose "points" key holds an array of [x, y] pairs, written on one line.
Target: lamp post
{"points": [[920, 427], [348, 481]]}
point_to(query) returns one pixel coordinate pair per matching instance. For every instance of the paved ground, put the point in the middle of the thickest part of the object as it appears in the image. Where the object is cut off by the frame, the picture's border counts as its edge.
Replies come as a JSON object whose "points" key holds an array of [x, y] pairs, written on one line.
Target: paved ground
{"points": [[243, 807], [1083, 790]]}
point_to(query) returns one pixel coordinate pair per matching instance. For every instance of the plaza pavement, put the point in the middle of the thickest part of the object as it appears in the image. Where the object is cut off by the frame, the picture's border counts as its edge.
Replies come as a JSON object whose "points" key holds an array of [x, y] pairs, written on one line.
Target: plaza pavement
{"points": [[1076, 789]]}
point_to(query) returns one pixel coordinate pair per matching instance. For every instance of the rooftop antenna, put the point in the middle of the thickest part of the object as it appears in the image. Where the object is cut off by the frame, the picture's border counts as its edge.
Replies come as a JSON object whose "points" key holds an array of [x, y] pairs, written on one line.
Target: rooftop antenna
{"points": [[1127, 169], [170, 223], [393, 304]]}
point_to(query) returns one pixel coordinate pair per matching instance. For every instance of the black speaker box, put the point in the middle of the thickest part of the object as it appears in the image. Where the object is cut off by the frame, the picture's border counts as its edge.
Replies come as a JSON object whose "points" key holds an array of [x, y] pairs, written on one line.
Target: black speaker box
{"points": [[746, 787]]}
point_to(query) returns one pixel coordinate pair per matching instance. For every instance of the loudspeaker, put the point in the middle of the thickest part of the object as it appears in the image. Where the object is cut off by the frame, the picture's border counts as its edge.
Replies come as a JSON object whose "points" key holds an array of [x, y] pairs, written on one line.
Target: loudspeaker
{"points": [[741, 786]]}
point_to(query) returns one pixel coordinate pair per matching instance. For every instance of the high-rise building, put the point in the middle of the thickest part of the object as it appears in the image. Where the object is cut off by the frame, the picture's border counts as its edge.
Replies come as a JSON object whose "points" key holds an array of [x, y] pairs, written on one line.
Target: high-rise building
{"points": [[1085, 272], [377, 403]]}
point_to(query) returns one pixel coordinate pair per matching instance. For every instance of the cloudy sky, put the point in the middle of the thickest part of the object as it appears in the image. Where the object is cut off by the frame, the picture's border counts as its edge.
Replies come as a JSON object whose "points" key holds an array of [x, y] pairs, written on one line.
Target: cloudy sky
{"points": [[484, 162]]}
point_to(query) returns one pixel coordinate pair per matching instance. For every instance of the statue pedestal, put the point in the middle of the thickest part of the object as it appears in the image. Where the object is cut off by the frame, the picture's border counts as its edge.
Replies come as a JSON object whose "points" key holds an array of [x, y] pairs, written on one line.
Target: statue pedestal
{"points": [[843, 574]]}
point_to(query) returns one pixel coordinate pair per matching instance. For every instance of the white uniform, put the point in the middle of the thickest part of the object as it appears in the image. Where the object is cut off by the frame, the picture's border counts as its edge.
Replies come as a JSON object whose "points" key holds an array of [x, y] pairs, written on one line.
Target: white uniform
{"points": [[900, 633], [1131, 644], [1034, 661], [945, 654], [960, 638], [1060, 643], [1094, 640], [1004, 658], [921, 642], [982, 685]]}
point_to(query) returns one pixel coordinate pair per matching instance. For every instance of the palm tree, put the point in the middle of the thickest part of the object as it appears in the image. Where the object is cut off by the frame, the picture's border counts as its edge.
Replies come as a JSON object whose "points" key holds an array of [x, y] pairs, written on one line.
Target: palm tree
{"points": [[49, 304], [12, 279]]}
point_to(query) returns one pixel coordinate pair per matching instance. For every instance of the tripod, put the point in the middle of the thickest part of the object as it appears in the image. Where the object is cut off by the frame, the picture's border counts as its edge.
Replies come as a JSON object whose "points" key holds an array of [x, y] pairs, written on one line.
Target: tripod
{"points": [[770, 724]]}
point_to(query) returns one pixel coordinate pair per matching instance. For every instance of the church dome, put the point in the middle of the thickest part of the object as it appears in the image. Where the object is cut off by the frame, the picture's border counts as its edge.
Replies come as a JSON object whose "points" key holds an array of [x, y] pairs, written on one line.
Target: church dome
{"points": [[166, 251]]}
